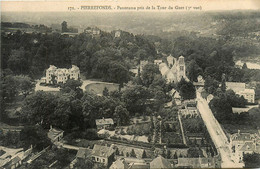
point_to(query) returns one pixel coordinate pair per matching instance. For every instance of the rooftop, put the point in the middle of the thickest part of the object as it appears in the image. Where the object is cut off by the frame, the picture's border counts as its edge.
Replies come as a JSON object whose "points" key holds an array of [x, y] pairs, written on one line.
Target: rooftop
{"points": [[248, 147], [119, 163], [53, 133], [160, 162], [83, 153], [104, 121], [102, 151], [192, 162]]}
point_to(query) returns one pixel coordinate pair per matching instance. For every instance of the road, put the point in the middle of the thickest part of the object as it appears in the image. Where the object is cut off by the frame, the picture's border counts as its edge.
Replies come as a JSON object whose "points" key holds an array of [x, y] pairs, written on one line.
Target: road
{"points": [[217, 134]]}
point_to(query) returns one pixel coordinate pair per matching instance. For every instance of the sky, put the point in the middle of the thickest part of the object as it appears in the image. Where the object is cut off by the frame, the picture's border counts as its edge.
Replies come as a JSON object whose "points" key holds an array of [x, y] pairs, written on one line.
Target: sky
{"points": [[178, 5]]}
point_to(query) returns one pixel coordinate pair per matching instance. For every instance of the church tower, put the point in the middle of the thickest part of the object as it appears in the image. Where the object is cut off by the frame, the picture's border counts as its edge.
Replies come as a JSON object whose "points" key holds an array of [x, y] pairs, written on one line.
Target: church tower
{"points": [[181, 68]]}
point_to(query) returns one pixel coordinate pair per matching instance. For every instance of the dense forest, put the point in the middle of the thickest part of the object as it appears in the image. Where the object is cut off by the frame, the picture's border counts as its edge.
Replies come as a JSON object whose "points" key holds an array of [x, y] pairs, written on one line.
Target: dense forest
{"points": [[99, 57]]}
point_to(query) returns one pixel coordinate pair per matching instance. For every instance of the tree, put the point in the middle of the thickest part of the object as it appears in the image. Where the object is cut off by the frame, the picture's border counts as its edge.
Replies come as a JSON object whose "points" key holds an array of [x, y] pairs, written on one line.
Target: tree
{"points": [[186, 89], [105, 92], [168, 154], [135, 98], [18, 61], [252, 160], [223, 83], [193, 71], [35, 136], [25, 84], [211, 85], [47, 109], [64, 26], [144, 154], [149, 138], [132, 153], [175, 155], [148, 74], [117, 151], [244, 66], [121, 115]]}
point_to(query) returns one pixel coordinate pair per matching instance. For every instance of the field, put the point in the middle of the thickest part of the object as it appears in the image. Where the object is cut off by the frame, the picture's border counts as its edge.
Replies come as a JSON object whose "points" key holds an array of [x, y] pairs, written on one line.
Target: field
{"points": [[97, 88]]}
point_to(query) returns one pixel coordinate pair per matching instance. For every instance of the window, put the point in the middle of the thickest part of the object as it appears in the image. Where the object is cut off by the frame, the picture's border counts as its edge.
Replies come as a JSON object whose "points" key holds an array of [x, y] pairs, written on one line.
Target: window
{"points": [[104, 160], [181, 68], [97, 159]]}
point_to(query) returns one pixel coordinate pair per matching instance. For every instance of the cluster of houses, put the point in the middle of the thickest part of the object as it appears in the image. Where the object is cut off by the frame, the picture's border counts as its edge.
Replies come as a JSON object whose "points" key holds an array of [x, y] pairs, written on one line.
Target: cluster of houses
{"points": [[173, 70], [244, 143], [60, 75], [105, 155], [13, 158]]}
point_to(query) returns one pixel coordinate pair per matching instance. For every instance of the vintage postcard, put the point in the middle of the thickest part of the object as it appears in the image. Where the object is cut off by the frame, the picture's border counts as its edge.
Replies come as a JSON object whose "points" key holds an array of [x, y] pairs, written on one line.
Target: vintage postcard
{"points": [[127, 84]]}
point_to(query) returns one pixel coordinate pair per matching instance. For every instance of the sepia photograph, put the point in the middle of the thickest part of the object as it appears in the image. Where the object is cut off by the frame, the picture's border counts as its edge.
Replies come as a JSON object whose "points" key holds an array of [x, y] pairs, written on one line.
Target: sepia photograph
{"points": [[130, 84]]}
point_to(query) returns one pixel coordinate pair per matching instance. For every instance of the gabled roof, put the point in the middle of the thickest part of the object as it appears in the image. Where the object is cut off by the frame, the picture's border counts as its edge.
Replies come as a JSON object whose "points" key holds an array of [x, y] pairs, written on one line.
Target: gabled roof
{"points": [[102, 151], [53, 133], [104, 121], [241, 137], [160, 163], [119, 164], [248, 147], [192, 162], [83, 153]]}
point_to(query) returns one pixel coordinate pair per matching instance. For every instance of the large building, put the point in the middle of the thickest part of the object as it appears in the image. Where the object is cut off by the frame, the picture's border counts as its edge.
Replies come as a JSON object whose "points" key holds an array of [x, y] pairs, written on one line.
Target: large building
{"points": [[244, 143], [174, 71], [240, 89], [61, 75]]}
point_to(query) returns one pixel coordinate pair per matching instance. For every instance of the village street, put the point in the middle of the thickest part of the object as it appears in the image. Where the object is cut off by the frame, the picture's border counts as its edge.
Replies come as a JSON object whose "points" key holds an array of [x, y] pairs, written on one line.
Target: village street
{"points": [[218, 136]]}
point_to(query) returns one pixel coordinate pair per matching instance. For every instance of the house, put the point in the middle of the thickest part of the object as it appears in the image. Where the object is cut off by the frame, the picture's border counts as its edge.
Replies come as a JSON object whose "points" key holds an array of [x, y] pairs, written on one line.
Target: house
{"points": [[92, 31], [196, 163], [200, 82], [82, 154], [13, 158], [103, 154], [160, 163], [157, 62], [104, 123], [244, 143], [210, 97], [241, 90], [119, 164], [55, 135], [117, 33], [134, 71], [61, 75]]}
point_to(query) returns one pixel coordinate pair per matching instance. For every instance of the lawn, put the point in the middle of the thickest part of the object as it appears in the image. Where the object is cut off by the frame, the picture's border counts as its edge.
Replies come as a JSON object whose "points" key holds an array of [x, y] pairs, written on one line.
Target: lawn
{"points": [[97, 88]]}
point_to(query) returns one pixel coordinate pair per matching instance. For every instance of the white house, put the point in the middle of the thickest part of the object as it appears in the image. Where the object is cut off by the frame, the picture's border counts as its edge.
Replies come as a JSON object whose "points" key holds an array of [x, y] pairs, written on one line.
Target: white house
{"points": [[240, 89], [103, 154], [61, 75]]}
